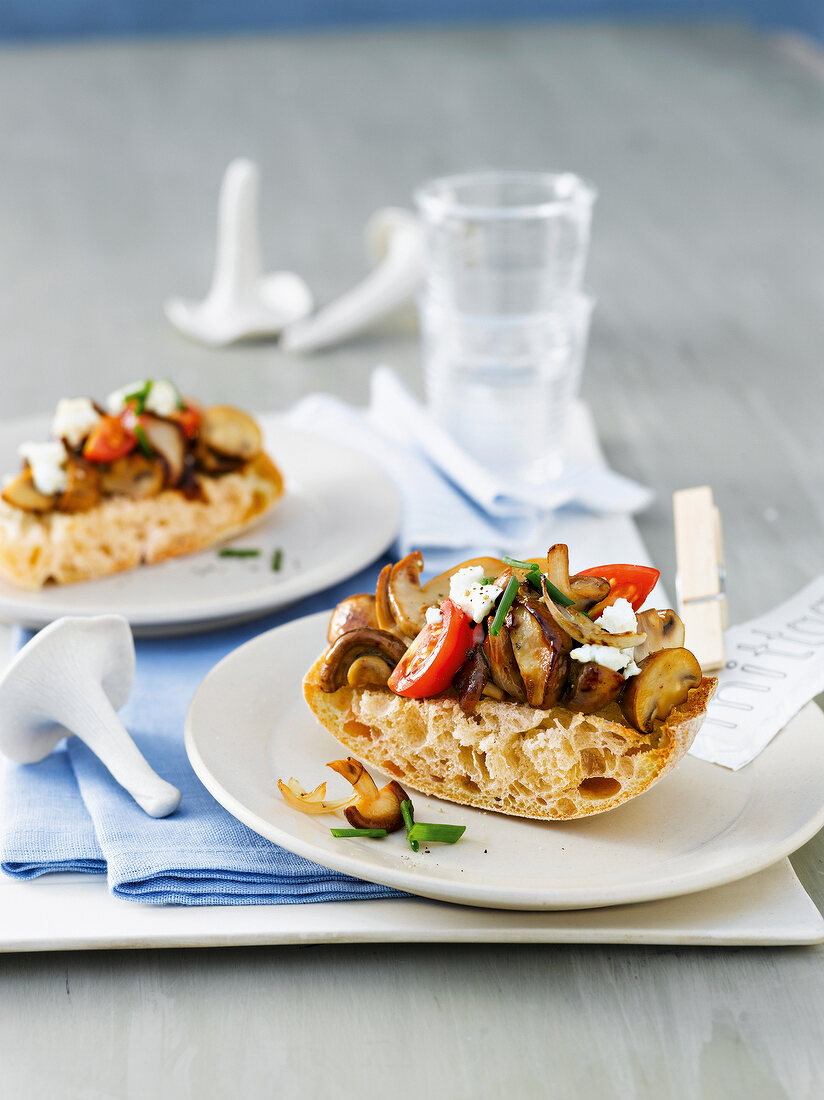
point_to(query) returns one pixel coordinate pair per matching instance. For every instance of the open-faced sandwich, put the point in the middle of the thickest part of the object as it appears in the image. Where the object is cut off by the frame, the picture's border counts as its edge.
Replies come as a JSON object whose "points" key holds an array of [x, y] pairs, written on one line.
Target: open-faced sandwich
{"points": [[512, 686], [146, 476]]}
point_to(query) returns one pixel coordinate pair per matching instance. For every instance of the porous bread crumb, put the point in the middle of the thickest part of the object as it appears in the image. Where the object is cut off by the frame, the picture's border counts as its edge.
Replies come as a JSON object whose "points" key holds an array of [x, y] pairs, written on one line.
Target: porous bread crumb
{"points": [[121, 533], [506, 756]]}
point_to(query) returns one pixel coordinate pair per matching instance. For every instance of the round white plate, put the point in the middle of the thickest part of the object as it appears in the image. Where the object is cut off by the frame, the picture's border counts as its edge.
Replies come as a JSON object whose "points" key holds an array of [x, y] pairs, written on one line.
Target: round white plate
{"points": [[248, 726], [339, 512]]}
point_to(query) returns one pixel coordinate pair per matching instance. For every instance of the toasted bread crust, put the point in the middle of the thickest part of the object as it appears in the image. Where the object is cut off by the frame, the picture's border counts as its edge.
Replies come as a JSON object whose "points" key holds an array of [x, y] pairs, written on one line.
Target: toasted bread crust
{"points": [[120, 533], [552, 764]]}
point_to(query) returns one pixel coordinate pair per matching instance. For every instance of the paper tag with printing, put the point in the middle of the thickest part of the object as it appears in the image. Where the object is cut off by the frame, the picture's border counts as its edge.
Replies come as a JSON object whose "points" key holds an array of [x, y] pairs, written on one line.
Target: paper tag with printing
{"points": [[774, 666]]}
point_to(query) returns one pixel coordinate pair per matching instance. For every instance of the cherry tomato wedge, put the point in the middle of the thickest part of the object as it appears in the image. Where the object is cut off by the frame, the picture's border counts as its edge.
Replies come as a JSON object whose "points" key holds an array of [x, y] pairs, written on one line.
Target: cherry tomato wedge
{"points": [[108, 440], [188, 418], [435, 656], [632, 582]]}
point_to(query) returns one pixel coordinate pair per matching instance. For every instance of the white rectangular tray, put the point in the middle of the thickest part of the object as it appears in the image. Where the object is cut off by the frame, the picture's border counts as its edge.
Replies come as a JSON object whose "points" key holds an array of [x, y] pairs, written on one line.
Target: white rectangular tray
{"points": [[76, 912]]}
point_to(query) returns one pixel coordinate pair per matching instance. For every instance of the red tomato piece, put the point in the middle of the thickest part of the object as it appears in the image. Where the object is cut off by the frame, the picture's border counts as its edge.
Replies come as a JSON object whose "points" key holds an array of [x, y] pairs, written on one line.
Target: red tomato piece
{"points": [[632, 582], [108, 440], [435, 656]]}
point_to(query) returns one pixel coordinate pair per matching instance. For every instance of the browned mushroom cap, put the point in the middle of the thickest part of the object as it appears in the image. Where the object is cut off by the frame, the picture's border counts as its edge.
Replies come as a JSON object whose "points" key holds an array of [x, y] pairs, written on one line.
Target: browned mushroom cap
{"points": [[82, 490], [369, 672], [663, 629], [374, 809], [134, 476], [21, 492], [502, 665], [664, 682], [405, 598], [593, 687], [588, 591], [348, 647], [351, 614], [470, 679], [584, 630], [230, 432], [541, 653]]}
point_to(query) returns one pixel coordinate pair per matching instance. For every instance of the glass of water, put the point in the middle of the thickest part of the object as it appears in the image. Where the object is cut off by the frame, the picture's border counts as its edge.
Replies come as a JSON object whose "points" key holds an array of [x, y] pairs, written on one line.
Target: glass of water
{"points": [[503, 319]]}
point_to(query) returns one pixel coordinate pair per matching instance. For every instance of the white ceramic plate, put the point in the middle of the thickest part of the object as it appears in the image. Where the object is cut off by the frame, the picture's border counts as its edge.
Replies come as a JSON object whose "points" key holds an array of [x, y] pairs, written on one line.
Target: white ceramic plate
{"points": [[339, 513], [700, 827]]}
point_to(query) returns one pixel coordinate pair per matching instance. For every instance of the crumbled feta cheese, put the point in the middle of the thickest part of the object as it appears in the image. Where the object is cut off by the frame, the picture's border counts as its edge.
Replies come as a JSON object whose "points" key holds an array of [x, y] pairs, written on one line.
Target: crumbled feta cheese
{"points": [[473, 598], [162, 399], [433, 615], [74, 418], [618, 618], [47, 462]]}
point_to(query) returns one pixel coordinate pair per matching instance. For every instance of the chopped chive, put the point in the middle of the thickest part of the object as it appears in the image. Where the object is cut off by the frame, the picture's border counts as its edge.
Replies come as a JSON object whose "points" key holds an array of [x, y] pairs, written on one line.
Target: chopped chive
{"points": [[425, 833], [409, 821], [533, 572], [557, 594], [238, 552], [504, 604], [140, 396], [487, 580], [143, 441], [277, 560], [359, 832]]}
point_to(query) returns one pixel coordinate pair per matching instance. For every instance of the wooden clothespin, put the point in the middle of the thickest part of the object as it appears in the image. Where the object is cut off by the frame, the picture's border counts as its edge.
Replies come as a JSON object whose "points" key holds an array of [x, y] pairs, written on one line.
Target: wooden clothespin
{"points": [[702, 603]]}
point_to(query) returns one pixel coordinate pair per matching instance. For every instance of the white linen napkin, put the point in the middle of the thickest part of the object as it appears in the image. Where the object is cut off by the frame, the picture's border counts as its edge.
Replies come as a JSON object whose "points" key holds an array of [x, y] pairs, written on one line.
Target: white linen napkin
{"points": [[775, 665], [449, 501]]}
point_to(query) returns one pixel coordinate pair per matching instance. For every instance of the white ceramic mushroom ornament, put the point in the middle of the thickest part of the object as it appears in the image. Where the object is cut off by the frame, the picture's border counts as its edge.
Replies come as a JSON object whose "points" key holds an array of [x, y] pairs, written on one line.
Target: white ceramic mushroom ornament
{"points": [[243, 303], [72, 677]]}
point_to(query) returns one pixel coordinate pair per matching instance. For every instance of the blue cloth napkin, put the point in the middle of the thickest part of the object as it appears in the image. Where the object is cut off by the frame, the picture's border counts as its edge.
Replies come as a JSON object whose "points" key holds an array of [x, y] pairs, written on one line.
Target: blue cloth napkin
{"points": [[66, 813]]}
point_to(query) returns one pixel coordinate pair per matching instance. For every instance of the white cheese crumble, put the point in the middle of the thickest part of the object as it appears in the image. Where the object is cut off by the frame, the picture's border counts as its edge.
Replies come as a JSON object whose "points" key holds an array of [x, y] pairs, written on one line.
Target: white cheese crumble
{"points": [[74, 418], [162, 398], [618, 618], [47, 462], [473, 598], [433, 615]]}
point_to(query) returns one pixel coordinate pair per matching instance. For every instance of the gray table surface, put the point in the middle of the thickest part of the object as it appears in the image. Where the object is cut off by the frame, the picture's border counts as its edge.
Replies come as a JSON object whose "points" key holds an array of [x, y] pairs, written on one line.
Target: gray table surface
{"points": [[705, 366]]}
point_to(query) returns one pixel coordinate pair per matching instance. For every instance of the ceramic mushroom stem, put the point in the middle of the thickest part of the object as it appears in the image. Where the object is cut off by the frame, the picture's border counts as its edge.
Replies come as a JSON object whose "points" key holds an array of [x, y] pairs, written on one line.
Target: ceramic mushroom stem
{"points": [[72, 677]]}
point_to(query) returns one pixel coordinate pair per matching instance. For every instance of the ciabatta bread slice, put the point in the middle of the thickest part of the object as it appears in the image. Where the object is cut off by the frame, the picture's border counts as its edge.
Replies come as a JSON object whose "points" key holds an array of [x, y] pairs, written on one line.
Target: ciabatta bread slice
{"points": [[120, 533], [506, 756]]}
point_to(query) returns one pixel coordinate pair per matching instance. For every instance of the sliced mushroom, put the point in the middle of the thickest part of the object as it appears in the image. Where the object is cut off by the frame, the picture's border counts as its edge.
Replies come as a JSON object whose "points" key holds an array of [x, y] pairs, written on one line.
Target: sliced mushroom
{"points": [[168, 441], [663, 629], [230, 432], [588, 591], [369, 672], [593, 687], [470, 679], [82, 490], [383, 608], [22, 493], [664, 682], [363, 642], [351, 614], [373, 808], [584, 630], [212, 463], [541, 653], [502, 664], [405, 597], [134, 476]]}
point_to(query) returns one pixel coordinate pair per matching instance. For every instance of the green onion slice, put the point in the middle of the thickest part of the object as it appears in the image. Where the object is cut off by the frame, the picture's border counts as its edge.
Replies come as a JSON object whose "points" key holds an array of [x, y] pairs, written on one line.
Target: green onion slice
{"points": [[140, 396], [409, 821], [277, 560], [504, 604], [238, 552], [534, 578], [358, 832], [425, 833], [143, 441]]}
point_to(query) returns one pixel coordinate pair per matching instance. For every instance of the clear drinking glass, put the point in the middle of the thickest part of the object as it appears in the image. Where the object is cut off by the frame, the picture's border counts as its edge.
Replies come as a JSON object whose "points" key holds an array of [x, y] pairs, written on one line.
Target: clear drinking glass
{"points": [[503, 319]]}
